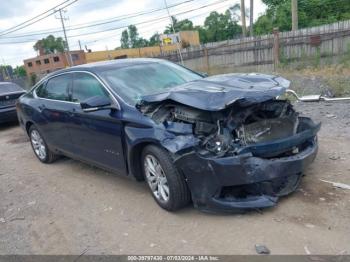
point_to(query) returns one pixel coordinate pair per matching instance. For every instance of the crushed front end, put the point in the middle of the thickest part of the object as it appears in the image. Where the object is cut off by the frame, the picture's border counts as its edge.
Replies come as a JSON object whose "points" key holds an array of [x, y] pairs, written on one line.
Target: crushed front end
{"points": [[244, 156]]}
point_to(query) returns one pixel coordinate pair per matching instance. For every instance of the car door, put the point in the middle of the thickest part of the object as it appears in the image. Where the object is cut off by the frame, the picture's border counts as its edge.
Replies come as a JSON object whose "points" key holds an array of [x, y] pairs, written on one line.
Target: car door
{"points": [[96, 135], [54, 106]]}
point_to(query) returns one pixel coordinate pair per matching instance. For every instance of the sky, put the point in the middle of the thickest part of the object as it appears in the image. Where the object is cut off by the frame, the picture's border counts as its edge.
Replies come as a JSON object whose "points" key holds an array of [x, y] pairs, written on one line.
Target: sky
{"points": [[149, 16]]}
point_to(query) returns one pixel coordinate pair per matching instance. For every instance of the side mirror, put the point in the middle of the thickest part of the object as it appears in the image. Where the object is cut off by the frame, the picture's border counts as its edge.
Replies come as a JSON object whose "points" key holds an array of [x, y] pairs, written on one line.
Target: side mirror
{"points": [[96, 103]]}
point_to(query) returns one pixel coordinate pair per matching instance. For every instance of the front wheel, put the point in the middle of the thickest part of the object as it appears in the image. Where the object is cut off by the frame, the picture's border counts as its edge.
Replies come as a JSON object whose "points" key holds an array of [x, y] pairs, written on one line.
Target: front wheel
{"points": [[167, 185], [40, 148]]}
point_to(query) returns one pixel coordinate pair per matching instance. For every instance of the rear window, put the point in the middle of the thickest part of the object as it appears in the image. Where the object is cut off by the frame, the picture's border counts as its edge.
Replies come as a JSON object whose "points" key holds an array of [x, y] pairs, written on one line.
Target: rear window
{"points": [[9, 88]]}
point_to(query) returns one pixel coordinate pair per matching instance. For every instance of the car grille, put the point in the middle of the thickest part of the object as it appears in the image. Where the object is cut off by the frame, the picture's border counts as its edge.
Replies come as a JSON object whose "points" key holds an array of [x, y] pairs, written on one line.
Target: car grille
{"points": [[9, 100], [5, 103]]}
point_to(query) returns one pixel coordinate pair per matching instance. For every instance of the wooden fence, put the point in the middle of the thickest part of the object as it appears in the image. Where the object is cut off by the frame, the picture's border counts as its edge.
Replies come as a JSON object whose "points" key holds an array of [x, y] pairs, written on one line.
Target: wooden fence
{"points": [[268, 52]]}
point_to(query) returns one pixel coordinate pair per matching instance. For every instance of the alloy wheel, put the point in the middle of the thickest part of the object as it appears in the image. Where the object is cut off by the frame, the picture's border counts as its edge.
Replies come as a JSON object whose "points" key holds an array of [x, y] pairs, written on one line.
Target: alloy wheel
{"points": [[156, 178], [38, 144]]}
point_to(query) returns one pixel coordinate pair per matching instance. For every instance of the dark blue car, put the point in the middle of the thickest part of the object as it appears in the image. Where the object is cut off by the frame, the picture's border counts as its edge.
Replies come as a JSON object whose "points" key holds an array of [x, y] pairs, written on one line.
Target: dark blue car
{"points": [[224, 142], [9, 93]]}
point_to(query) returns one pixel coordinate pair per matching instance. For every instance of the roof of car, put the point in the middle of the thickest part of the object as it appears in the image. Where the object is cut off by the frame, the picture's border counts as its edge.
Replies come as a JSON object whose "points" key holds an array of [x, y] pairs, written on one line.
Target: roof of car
{"points": [[110, 64]]}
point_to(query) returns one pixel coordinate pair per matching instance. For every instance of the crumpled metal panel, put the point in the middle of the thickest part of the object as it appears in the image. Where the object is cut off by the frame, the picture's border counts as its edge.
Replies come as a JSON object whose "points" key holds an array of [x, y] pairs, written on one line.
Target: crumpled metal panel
{"points": [[218, 92]]}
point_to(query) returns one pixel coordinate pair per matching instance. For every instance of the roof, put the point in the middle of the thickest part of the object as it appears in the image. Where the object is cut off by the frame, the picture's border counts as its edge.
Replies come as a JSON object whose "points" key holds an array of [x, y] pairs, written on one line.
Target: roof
{"points": [[110, 64]]}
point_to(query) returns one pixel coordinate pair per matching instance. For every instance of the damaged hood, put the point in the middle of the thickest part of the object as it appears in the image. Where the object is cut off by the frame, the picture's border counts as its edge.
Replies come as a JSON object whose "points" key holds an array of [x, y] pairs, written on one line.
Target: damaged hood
{"points": [[218, 92]]}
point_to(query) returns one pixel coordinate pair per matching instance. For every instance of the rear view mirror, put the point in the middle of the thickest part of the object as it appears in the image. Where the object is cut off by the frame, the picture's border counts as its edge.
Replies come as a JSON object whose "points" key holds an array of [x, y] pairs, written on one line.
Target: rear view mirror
{"points": [[96, 103]]}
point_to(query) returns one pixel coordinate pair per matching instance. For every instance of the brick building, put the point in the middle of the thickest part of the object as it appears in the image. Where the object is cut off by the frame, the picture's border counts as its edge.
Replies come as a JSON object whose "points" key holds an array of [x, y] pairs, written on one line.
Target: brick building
{"points": [[44, 64]]}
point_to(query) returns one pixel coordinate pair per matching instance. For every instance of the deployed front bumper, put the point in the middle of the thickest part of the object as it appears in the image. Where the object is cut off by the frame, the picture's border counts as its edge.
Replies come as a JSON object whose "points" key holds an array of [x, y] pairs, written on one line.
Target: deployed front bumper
{"points": [[247, 181]]}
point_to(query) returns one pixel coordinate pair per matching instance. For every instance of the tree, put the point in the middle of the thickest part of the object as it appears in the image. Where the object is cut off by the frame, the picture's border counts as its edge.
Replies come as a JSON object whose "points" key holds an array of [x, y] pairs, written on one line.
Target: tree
{"points": [[154, 40], [310, 13], [6, 71], [125, 39], [219, 27], [50, 45], [141, 42], [130, 38], [182, 25], [20, 71], [133, 35]]}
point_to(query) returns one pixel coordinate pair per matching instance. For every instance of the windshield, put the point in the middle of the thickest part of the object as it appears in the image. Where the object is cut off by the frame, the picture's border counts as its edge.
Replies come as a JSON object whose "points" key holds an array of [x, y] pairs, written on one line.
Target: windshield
{"points": [[134, 81]]}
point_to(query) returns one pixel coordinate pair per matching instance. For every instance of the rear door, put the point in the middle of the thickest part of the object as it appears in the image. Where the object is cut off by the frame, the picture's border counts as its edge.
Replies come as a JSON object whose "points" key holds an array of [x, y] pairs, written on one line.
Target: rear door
{"points": [[96, 135], [54, 105]]}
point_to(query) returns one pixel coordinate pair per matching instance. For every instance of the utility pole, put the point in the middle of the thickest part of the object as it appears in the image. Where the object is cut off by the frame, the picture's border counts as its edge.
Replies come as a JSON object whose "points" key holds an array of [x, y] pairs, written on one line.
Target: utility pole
{"points": [[172, 26], [79, 45], [251, 17], [294, 15], [244, 27], [70, 62]]}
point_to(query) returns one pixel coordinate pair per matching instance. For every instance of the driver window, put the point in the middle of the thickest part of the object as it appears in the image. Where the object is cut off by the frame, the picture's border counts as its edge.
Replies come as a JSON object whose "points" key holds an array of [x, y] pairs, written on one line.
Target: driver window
{"points": [[86, 86]]}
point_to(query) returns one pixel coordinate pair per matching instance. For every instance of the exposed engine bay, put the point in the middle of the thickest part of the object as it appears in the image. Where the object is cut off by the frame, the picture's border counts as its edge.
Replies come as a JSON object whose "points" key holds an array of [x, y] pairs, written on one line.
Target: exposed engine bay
{"points": [[227, 131]]}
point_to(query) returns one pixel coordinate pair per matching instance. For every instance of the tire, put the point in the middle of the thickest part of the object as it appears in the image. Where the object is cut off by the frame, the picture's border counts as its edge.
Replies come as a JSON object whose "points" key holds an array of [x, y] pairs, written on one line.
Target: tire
{"points": [[39, 146], [178, 195]]}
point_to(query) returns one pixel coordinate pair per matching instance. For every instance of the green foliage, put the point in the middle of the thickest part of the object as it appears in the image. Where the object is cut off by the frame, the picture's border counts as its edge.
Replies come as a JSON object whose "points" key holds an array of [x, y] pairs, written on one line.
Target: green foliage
{"points": [[133, 36], [219, 27], [125, 39], [130, 38], [50, 44], [154, 40], [183, 25], [33, 79], [310, 12], [20, 71]]}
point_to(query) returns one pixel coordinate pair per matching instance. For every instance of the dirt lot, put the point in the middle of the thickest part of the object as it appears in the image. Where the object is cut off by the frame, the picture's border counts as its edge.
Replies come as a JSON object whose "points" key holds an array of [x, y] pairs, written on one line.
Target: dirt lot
{"points": [[71, 208]]}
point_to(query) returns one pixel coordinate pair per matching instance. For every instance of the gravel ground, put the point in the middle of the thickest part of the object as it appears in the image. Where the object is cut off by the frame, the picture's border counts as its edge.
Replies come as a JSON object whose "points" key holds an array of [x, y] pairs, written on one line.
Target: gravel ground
{"points": [[71, 208]]}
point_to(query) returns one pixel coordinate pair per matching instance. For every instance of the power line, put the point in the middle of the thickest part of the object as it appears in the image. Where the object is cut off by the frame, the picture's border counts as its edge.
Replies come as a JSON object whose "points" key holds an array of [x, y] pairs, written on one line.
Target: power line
{"points": [[141, 31], [34, 17], [125, 26], [24, 26], [157, 22], [148, 21], [96, 23]]}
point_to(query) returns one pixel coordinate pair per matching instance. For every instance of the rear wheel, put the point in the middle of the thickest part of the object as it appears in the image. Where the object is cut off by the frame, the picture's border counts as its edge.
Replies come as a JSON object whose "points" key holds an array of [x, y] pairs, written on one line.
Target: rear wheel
{"points": [[40, 148], [167, 185]]}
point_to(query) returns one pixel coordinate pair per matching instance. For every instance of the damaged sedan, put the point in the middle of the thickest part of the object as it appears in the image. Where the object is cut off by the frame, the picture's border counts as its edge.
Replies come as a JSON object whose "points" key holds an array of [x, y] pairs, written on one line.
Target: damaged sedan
{"points": [[226, 142]]}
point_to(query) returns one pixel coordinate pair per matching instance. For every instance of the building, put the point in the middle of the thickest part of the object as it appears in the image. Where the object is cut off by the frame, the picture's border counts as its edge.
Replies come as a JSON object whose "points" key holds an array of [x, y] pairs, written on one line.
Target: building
{"points": [[188, 38], [44, 64]]}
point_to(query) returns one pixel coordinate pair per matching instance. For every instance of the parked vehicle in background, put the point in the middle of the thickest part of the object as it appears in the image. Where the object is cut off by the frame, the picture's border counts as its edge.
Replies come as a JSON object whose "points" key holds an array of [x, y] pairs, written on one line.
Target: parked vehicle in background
{"points": [[225, 142], [9, 94]]}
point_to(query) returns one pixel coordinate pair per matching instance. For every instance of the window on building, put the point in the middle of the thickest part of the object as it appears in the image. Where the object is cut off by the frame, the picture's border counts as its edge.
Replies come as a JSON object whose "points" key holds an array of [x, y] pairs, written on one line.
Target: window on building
{"points": [[30, 64], [75, 57], [56, 88], [38, 62], [46, 61], [56, 59]]}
